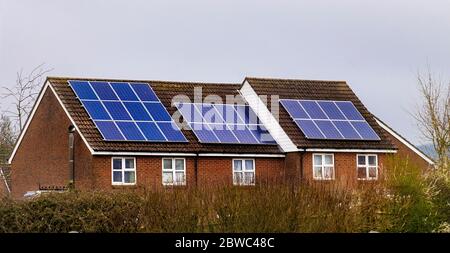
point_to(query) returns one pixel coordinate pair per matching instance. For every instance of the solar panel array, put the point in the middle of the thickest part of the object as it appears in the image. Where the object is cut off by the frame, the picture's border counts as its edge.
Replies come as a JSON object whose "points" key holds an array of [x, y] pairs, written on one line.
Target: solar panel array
{"points": [[224, 123], [127, 111], [324, 119]]}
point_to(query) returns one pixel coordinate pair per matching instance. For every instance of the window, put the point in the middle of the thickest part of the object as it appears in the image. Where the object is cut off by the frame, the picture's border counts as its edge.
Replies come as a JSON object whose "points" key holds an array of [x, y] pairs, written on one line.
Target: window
{"points": [[367, 167], [243, 172], [123, 171], [323, 166], [174, 171]]}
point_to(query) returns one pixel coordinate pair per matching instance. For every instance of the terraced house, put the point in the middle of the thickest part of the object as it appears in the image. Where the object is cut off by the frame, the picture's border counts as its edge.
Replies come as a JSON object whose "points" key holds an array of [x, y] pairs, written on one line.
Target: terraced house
{"points": [[115, 134]]}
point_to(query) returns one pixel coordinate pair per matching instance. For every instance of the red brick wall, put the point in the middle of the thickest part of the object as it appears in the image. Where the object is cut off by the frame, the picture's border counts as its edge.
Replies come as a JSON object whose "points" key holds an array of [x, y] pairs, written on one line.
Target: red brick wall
{"points": [[42, 157], [210, 171], [404, 152]]}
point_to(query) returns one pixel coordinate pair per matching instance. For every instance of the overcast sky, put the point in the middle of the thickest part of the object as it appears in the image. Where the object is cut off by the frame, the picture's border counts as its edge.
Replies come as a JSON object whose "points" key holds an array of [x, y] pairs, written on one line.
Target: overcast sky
{"points": [[376, 46]]}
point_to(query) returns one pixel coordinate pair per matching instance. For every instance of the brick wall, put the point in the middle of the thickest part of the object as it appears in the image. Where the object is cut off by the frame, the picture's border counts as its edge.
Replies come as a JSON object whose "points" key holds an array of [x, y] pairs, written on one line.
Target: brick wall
{"points": [[211, 171], [42, 157], [404, 152]]}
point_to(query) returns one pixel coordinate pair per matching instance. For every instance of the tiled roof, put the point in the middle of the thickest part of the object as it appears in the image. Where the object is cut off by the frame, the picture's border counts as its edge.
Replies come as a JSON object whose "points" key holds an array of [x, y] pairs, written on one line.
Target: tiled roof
{"points": [[165, 90], [317, 90]]}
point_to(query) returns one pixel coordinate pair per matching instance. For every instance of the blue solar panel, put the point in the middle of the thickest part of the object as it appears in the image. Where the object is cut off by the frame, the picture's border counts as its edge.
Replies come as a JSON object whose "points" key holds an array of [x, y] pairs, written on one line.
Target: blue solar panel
{"points": [[328, 129], [365, 130], [144, 93], [333, 120], [124, 91], [158, 111], [109, 130], [313, 109], [261, 134], [83, 90], [220, 123], [104, 91], [151, 131], [309, 129], [331, 110], [117, 110], [204, 133], [171, 131], [130, 131], [346, 130], [137, 111], [295, 109], [127, 111], [349, 110], [96, 110]]}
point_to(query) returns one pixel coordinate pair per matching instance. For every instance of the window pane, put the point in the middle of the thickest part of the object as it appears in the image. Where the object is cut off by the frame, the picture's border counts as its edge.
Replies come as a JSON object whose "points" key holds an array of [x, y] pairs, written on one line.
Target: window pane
{"points": [[373, 172], [372, 160], [129, 163], [130, 177], [167, 178], [249, 165], [179, 178], [117, 177], [117, 164], [317, 160], [179, 164], [328, 159], [167, 164], [237, 178], [249, 178], [237, 165], [362, 172], [328, 172], [318, 172], [361, 160]]}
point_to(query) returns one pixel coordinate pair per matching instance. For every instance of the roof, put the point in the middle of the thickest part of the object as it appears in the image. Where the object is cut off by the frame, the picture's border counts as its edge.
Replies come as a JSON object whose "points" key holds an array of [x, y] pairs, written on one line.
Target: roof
{"points": [[165, 90], [317, 90]]}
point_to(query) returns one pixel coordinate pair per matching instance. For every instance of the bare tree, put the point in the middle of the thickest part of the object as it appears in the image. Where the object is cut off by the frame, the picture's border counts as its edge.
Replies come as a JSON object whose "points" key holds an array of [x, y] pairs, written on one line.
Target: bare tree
{"points": [[7, 138], [24, 93], [433, 116]]}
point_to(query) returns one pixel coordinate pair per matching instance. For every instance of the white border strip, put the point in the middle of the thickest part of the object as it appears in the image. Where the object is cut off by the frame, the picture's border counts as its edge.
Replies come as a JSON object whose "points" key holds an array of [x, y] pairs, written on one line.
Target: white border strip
{"points": [[404, 141], [350, 150], [4, 178], [239, 155], [101, 153]]}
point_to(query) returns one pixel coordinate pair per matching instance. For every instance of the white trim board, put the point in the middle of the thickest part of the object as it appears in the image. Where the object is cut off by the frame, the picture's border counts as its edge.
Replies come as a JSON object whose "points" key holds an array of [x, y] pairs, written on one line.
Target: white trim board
{"points": [[349, 150], [2, 175], [168, 154], [404, 141], [47, 85], [266, 117]]}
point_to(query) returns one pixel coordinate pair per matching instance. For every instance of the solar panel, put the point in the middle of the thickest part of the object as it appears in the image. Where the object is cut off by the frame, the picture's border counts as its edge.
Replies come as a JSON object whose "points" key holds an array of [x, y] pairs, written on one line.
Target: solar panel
{"points": [[127, 111], [224, 123], [333, 120]]}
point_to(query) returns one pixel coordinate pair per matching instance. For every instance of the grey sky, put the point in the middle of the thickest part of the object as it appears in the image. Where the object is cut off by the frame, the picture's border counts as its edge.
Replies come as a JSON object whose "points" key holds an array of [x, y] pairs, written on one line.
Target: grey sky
{"points": [[376, 46]]}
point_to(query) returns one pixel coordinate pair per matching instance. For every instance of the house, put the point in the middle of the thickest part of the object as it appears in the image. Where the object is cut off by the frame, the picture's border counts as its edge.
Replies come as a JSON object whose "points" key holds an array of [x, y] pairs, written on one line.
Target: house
{"points": [[114, 134]]}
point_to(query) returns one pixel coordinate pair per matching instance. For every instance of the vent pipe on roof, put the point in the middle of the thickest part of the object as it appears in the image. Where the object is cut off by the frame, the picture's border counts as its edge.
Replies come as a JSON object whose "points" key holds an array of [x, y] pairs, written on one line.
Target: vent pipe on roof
{"points": [[71, 156]]}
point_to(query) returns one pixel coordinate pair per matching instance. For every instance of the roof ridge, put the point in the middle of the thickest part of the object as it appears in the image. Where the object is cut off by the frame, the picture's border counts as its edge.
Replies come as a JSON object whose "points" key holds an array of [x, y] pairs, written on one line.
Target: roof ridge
{"points": [[49, 78], [293, 79]]}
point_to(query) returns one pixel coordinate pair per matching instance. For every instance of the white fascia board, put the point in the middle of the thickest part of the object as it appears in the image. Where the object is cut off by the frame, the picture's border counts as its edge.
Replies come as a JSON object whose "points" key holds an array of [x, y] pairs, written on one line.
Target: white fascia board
{"points": [[350, 150], [101, 153], [105, 153], [2, 175], [405, 142], [47, 85], [241, 155], [266, 117]]}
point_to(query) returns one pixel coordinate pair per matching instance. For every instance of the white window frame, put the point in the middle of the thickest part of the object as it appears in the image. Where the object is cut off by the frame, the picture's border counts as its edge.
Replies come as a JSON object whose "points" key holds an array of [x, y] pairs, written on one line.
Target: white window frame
{"points": [[173, 171], [323, 165], [367, 166], [123, 170], [244, 169]]}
